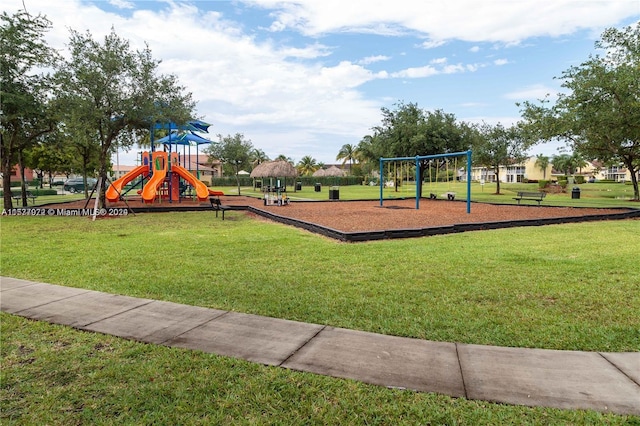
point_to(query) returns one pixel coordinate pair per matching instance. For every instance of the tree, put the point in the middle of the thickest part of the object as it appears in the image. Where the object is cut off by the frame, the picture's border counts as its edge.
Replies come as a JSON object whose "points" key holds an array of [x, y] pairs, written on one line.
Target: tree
{"points": [[51, 156], [568, 163], [542, 162], [409, 131], [283, 157], [108, 89], [258, 156], [24, 92], [348, 153], [499, 146], [234, 151], [599, 115], [307, 165], [562, 163]]}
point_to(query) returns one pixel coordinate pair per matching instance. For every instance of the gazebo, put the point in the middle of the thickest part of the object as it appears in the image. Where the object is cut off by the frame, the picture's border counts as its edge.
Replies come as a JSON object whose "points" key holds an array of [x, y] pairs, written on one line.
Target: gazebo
{"points": [[274, 170]]}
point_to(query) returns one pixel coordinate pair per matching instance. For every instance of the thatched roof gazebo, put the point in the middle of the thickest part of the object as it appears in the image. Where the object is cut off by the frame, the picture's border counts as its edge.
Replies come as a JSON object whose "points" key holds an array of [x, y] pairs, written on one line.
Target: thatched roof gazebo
{"points": [[274, 169], [334, 171]]}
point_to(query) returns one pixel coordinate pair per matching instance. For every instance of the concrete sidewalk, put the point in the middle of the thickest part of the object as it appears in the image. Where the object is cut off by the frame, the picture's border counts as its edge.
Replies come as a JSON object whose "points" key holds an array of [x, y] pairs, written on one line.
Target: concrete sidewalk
{"points": [[607, 382]]}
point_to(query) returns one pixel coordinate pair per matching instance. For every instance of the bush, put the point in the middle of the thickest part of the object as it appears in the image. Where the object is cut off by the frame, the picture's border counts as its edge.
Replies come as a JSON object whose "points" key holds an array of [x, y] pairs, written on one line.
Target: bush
{"points": [[36, 191], [579, 179], [542, 184], [43, 191]]}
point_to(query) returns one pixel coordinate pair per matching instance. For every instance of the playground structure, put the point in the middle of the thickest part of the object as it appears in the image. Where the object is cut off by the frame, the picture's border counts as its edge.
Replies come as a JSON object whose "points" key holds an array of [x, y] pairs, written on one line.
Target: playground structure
{"points": [[162, 169], [162, 172], [418, 164]]}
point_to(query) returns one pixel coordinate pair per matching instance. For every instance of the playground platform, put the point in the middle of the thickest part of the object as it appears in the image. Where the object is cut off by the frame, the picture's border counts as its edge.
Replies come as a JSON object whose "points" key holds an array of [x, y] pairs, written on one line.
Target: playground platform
{"points": [[606, 382]]}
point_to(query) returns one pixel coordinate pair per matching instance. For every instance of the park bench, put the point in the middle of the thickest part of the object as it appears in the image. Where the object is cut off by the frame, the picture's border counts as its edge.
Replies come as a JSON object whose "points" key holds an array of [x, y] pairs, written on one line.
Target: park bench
{"points": [[18, 197], [533, 196], [217, 206]]}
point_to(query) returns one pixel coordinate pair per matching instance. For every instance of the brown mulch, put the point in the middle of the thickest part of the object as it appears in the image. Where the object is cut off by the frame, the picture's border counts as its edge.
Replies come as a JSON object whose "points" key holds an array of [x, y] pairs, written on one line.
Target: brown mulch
{"points": [[354, 216]]}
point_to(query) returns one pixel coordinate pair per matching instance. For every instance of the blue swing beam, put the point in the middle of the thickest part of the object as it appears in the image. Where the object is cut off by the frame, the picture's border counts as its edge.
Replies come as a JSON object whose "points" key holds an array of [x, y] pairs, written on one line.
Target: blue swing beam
{"points": [[417, 159]]}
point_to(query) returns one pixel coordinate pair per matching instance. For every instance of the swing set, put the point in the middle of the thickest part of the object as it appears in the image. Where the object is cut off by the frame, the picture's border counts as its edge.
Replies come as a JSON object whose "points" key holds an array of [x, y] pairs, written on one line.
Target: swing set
{"points": [[418, 159]]}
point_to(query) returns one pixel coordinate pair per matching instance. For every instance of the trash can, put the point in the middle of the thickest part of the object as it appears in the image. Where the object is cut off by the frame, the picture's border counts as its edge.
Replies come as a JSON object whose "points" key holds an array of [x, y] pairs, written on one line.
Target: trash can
{"points": [[298, 186], [334, 193], [575, 193], [317, 187]]}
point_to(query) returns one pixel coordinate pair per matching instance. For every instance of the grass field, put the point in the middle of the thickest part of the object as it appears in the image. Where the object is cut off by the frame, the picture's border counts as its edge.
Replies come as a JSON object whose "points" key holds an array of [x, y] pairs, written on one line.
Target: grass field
{"points": [[563, 287]]}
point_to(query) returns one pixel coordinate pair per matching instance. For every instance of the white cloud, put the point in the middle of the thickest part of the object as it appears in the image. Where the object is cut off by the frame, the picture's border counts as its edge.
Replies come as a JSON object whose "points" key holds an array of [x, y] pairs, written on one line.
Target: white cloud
{"points": [[534, 92], [416, 72], [432, 44], [122, 4], [373, 59], [474, 49], [441, 20], [500, 62]]}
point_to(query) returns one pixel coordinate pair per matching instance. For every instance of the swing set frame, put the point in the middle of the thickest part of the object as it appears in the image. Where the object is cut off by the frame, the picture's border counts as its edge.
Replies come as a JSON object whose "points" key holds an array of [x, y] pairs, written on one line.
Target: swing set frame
{"points": [[418, 159]]}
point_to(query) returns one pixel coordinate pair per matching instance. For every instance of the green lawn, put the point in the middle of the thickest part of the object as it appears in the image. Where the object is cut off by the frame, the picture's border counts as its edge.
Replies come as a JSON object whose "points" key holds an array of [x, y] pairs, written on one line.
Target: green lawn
{"points": [[563, 287]]}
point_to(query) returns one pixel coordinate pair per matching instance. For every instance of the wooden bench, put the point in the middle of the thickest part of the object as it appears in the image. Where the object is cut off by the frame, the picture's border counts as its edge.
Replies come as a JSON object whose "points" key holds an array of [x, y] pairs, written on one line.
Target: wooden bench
{"points": [[533, 196], [217, 206], [18, 197]]}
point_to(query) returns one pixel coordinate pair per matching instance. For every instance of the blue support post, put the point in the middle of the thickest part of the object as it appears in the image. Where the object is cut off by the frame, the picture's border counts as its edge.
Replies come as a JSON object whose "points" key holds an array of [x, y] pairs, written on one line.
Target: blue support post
{"points": [[468, 182], [418, 182], [381, 169]]}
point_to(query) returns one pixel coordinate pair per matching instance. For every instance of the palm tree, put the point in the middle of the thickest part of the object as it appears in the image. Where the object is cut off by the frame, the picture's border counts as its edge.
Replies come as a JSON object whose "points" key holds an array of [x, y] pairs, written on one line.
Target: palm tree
{"points": [[283, 157], [562, 163], [348, 153], [307, 165], [258, 156], [542, 162]]}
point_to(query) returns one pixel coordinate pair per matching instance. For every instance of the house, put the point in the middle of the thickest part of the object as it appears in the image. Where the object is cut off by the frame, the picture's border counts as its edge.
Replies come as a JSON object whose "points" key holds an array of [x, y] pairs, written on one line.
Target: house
{"points": [[527, 170], [29, 175]]}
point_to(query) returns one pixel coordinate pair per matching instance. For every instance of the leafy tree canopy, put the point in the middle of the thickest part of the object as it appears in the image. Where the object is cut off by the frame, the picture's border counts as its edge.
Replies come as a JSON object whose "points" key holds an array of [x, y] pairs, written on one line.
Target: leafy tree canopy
{"points": [[234, 151], [498, 146], [599, 114], [106, 89], [24, 90]]}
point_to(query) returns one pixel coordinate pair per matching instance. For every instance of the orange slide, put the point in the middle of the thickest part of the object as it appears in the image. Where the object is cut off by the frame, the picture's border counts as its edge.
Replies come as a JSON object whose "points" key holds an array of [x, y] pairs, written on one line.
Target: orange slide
{"points": [[159, 162], [202, 192], [115, 189]]}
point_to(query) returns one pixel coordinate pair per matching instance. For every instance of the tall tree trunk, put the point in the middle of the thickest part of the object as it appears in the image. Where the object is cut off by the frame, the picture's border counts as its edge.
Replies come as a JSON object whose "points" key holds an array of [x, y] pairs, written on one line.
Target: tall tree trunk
{"points": [[23, 181], [634, 176], [496, 170], [102, 175], [6, 172]]}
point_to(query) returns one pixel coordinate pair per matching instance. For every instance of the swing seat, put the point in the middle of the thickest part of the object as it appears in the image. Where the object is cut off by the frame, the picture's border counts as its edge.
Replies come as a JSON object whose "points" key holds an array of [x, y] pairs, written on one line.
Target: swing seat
{"points": [[450, 196]]}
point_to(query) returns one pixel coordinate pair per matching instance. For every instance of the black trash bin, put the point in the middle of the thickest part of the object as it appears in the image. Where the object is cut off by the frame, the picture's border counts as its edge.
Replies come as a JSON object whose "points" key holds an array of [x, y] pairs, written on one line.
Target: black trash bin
{"points": [[334, 193], [317, 187], [298, 186], [575, 193]]}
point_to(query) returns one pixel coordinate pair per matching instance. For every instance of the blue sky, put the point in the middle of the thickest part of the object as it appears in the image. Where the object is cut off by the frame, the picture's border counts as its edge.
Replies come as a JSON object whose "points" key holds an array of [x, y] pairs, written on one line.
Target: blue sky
{"points": [[306, 77]]}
